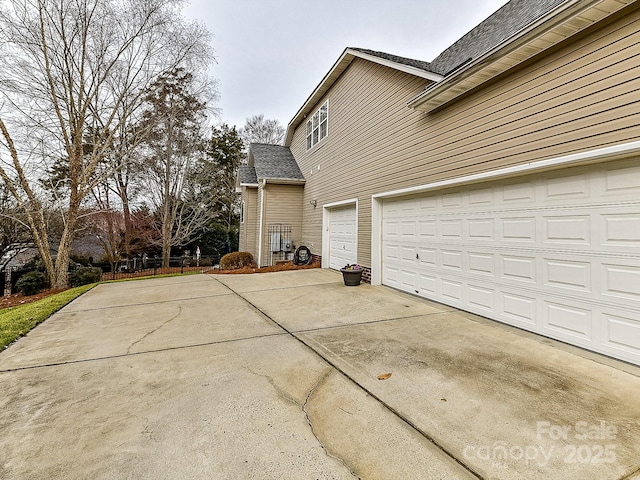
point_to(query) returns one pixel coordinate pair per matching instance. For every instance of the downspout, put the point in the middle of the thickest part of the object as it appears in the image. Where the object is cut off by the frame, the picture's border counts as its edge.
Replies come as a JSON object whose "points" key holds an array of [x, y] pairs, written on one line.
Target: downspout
{"points": [[261, 223]]}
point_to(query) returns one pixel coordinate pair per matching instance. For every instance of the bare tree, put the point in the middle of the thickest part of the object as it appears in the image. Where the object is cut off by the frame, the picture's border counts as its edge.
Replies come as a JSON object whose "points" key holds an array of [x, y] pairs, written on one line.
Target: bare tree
{"points": [[257, 129], [74, 73]]}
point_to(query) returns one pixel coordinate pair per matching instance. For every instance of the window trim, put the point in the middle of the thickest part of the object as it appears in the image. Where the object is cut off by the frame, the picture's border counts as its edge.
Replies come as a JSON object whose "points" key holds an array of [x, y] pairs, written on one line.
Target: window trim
{"points": [[315, 126], [242, 207]]}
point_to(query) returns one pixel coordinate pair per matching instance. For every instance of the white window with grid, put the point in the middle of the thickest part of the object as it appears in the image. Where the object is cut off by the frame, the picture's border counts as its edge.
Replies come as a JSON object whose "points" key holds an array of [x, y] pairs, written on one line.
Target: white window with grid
{"points": [[318, 126]]}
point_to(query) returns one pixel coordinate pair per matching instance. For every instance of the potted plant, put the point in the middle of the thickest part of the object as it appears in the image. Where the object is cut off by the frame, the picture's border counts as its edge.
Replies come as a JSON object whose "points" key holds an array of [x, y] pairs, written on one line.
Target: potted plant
{"points": [[352, 274]]}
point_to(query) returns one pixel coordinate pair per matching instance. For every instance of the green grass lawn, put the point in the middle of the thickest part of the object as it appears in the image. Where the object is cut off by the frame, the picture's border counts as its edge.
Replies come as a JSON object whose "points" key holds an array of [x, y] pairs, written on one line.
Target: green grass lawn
{"points": [[17, 321]]}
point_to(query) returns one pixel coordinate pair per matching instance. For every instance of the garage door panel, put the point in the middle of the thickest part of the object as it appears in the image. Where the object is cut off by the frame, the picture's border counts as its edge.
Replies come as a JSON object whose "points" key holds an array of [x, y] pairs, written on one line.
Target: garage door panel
{"points": [[482, 298], [452, 290], [621, 281], [565, 274], [621, 229], [408, 280], [519, 309], [481, 263], [451, 229], [570, 320], [558, 254], [568, 229], [428, 285], [481, 229], [622, 180], [518, 268], [482, 198], [428, 256], [451, 259], [519, 193], [518, 229], [621, 333]]}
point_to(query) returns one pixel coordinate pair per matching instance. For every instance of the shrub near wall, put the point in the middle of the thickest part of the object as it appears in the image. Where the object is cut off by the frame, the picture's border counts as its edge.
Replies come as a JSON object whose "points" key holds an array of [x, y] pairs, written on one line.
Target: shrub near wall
{"points": [[31, 283], [85, 276], [234, 260]]}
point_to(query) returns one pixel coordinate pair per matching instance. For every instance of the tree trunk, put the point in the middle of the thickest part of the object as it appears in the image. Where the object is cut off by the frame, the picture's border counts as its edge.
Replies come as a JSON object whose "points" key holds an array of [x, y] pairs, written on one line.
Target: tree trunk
{"points": [[166, 234], [61, 280], [128, 226]]}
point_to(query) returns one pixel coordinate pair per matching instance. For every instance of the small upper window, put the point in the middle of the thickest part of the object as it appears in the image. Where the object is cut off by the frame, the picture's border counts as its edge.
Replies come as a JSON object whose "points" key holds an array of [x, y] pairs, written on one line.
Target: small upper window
{"points": [[317, 127]]}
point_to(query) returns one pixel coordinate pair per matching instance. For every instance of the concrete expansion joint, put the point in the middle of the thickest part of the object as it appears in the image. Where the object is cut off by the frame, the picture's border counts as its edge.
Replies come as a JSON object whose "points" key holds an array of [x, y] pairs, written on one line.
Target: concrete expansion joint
{"points": [[151, 332], [322, 379]]}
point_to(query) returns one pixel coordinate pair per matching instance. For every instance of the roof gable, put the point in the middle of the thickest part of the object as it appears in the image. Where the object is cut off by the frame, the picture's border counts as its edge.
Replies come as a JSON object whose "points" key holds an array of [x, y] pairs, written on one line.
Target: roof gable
{"points": [[269, 162], [403, 64]]}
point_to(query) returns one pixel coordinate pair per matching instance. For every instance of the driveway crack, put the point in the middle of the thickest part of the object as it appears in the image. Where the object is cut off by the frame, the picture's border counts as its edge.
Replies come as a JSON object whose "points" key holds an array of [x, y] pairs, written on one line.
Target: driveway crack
{"points": [[155, 329], [322, 379]]}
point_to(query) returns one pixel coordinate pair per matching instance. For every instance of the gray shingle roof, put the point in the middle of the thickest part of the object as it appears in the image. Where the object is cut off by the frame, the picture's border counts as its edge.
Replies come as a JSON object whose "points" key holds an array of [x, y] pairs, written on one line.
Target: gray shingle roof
{"points": [[247, 175], [397, 59], [498, 27], [504, 23], [274, 162]]}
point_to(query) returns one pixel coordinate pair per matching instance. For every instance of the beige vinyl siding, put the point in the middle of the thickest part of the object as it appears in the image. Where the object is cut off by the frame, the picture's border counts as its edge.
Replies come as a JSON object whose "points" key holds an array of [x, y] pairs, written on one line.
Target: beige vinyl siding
{"points": [[581, 96], [249, 228], [283, 205]]}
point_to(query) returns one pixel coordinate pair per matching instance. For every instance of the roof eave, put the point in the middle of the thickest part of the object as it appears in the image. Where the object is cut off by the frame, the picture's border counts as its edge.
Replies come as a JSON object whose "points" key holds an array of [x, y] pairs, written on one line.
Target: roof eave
{"points": [[560, 23], [334, 73]]}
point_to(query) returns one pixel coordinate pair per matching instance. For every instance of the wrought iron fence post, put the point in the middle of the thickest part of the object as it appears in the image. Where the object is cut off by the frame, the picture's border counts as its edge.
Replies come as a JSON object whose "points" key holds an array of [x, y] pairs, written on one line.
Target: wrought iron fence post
{"points": [[182, 264], [155, 265]]}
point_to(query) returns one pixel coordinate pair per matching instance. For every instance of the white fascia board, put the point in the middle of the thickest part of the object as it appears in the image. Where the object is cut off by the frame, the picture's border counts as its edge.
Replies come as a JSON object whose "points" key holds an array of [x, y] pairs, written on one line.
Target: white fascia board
{"points": [[434, 77], [341, 203], [575, 159], [254, 185]]}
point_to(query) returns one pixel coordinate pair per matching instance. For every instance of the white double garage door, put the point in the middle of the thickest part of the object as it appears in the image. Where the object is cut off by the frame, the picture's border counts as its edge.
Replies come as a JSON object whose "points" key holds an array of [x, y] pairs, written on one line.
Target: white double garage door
{"points": [[557, 254]]}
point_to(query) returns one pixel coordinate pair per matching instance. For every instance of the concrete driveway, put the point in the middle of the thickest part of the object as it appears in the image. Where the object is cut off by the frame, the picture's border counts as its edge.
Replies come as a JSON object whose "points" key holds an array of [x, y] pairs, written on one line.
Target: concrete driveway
{"points": [[275, 376]]}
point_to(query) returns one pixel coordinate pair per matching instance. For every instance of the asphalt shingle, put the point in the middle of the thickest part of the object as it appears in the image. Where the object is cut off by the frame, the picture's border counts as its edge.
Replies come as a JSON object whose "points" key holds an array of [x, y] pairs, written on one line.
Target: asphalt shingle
{"points": [[501, 25], [274, 162], [247, 175], [397, 59], [495, 29]]}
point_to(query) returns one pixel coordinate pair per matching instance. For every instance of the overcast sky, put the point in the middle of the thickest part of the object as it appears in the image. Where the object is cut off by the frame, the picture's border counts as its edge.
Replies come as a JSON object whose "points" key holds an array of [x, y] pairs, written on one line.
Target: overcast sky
{"points": [[271, 54]]}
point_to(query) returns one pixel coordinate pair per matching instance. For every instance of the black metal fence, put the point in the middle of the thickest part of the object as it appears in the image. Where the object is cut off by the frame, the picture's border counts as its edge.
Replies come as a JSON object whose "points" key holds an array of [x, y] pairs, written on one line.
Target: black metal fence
{"points": [[151, 266]]}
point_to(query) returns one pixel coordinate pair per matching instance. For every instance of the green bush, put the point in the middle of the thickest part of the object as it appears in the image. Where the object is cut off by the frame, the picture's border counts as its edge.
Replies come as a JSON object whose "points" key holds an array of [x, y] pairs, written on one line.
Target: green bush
{"points": [[31, 283], [85, 275], [234, 260]]}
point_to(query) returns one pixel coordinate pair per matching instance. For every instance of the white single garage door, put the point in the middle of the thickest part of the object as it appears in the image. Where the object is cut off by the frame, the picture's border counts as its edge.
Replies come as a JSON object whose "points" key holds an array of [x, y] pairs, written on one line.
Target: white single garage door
{"points": [[557, 254], [342, 236]]}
